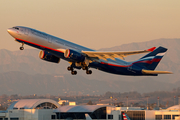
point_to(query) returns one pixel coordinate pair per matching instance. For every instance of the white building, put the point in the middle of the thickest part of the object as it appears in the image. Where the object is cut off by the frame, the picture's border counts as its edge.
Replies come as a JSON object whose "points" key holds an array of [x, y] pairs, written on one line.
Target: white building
{"points": [[46, 109], [106, 112], [30, 109]]}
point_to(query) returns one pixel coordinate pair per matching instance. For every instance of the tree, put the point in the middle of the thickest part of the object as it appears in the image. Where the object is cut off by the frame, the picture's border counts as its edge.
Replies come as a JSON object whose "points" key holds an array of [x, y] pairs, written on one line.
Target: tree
{"points": [[90, 103]]}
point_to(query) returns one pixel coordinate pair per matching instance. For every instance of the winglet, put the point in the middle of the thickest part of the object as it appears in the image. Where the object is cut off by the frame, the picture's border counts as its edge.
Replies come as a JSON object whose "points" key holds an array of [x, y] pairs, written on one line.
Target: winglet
{"points": [[151, 49]]}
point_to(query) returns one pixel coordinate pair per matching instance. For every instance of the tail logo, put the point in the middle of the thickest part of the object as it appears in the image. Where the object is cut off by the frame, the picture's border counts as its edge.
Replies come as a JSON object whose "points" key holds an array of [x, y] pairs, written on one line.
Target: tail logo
{"points": [[125, 117]]}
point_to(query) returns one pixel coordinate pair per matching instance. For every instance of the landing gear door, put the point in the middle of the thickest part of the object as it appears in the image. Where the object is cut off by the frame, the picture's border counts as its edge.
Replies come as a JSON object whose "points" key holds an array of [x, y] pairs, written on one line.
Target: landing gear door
{"points": [[130, 68]]}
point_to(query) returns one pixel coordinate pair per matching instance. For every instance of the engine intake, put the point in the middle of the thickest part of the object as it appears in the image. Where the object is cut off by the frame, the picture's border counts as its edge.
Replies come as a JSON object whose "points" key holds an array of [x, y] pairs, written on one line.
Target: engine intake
{"points": [[44, 55], [74, 55]]}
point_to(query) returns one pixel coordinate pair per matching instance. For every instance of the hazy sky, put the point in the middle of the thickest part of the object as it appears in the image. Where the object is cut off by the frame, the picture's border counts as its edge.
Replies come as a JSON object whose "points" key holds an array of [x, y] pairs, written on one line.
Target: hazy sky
{"points": [[94, 23]]}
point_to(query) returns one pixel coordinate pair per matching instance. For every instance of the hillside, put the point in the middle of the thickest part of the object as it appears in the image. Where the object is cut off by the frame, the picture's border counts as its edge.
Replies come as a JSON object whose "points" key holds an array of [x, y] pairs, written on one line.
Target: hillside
{"points": [[25, 84]]}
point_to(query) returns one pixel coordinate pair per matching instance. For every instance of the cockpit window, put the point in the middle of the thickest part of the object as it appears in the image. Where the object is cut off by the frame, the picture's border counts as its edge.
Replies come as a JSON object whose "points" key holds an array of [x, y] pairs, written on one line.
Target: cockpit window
{"points": [[16, 28]]}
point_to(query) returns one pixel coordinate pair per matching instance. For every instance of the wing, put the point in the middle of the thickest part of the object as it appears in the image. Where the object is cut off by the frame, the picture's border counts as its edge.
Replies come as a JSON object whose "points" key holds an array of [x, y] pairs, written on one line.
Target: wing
{"points": [[112, 55]]}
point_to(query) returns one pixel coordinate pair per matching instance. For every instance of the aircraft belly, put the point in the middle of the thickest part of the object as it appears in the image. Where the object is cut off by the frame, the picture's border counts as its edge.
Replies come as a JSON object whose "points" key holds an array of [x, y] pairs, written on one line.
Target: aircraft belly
{"points": [[116, 69]]}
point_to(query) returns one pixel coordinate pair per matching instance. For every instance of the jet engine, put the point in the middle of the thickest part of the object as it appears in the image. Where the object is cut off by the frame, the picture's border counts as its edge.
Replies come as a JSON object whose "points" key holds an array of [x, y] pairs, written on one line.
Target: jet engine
{"points": [[74, 55], [44, 55]]}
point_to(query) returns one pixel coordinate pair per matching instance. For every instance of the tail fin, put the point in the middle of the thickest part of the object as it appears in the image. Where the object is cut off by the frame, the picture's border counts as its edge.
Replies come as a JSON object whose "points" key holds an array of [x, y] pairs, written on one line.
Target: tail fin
{"points": [[151, 60], [88, 117], [125, 116]]}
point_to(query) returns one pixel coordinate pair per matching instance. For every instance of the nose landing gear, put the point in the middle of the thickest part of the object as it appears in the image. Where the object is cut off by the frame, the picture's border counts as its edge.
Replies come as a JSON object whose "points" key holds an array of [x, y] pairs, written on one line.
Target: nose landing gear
{"points": [[22, 48]]}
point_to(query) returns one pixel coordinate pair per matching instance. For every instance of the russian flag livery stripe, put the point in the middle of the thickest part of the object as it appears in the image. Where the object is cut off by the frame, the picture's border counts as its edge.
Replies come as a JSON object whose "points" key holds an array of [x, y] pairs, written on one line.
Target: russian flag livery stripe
{"points": [[151, 60], [125, 117]]}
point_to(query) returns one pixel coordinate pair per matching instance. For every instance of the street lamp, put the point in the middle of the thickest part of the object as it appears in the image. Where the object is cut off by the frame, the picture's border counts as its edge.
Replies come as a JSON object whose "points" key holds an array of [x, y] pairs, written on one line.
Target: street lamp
{"points": [[111, 100], [127, 100], [158, 101], [174, 99], [147, 101]]}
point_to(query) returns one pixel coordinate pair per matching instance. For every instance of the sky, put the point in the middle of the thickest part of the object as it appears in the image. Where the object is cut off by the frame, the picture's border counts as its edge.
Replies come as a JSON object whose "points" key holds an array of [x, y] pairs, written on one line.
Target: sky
{"points": [[92, 23]]}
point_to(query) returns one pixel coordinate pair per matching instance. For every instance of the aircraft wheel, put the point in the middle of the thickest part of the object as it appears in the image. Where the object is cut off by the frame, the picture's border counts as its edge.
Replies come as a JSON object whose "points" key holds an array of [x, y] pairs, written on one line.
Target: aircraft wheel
{"points": [[21, 48], [73, 72], [69, 68], [88, 72]]}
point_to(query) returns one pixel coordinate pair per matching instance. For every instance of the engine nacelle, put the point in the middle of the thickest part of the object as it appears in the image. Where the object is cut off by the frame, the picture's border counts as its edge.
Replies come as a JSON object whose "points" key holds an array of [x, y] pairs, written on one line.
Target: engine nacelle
{"points": [[74, 55], [44, 55]]}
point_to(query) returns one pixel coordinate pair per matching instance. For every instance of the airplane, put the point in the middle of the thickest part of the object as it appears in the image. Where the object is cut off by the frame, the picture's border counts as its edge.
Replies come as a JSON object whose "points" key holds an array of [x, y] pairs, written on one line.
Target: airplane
{"points": [[53, 49]]}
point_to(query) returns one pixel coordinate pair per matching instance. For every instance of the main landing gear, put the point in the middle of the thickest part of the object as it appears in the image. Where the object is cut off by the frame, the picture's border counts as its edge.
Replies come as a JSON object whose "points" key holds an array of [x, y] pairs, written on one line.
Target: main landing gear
{"points": [[73, 72], [87, 71], [22, 48]]}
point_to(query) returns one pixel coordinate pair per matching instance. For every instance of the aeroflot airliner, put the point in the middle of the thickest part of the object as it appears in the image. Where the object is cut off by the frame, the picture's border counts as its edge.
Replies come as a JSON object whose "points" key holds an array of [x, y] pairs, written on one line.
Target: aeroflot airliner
{"points": [[53, 49]]}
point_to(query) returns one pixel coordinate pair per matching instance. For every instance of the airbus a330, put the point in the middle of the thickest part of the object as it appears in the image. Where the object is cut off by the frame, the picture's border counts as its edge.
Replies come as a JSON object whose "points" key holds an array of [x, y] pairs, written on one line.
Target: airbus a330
{"points": [[53, 49]]}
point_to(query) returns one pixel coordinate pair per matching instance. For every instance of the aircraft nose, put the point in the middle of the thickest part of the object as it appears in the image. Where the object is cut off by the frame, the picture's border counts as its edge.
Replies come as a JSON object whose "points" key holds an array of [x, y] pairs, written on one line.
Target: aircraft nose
{"points": [[9, 30], [12, 32]]}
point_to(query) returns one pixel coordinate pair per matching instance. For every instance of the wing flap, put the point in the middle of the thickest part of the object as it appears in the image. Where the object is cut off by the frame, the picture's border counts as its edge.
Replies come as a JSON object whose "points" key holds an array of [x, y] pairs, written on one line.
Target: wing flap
{"points": [[155, 72], [100, 57]]}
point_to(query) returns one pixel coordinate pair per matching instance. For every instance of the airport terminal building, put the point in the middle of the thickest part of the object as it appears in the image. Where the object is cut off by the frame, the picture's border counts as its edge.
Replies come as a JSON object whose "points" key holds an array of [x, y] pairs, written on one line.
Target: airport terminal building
{"points": [[46, 109], [30, 109]]}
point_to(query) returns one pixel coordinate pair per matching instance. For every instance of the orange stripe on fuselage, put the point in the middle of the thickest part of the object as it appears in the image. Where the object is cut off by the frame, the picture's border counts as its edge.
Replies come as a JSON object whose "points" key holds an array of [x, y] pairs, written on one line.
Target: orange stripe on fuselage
{"points": [[39, 45]]}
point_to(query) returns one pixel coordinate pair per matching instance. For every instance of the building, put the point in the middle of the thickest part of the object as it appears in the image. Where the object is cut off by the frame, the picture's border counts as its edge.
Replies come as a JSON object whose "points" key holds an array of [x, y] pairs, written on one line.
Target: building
{"points": [[46, 109], [66, 102], [78, 112], [30, 109]]}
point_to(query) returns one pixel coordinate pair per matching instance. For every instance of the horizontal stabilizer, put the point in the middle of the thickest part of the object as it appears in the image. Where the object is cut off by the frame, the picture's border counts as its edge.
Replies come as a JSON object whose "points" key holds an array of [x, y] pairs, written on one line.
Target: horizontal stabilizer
{"points": [[155, 72]]}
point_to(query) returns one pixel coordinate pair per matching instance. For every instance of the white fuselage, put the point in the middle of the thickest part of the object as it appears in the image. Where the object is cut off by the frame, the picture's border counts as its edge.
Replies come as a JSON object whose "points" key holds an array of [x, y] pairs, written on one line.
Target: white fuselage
{"points": [[44, 39]]}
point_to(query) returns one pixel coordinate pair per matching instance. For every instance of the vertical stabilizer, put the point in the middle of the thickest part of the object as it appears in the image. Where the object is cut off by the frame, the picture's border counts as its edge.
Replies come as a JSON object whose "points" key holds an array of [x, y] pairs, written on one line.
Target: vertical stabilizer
{"points": [[151, 60]]}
